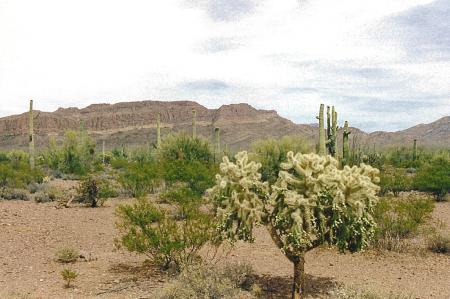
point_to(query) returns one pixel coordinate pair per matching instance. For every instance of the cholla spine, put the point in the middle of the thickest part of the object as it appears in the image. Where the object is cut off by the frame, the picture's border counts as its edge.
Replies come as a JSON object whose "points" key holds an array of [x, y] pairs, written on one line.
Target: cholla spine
{"points": [[31, 135]]}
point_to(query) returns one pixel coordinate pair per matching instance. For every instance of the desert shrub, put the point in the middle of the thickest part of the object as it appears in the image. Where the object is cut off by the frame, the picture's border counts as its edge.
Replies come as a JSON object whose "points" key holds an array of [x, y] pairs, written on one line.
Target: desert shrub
{"points": [[206, 282], [272, 152], [140, 178], [395, 180], [398, 219], [183, 147], [107, 188], [67, 255], [434, 177], [76, 155], [42, 197], [88, 192], [119, 163], [439, 243], [69, 276], [13, 194], [242, 275], [312, 202], [155, 232], [198, 175], [18, 174], [350, 293]]}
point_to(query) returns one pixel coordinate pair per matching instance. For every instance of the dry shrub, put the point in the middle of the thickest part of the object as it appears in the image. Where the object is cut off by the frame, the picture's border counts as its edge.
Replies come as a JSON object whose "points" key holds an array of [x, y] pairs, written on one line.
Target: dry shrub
{"points": [[67, 255], [205, 282], [439, 243], [350, 293]]}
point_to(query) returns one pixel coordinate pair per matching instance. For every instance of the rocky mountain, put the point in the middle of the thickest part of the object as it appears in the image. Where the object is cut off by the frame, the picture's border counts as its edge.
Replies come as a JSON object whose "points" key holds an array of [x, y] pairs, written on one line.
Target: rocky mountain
{"points": [[134, 124]]}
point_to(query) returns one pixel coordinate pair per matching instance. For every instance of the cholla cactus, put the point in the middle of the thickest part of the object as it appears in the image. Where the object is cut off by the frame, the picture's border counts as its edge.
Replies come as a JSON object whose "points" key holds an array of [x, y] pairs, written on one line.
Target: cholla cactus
{"points": [[312, 202]]}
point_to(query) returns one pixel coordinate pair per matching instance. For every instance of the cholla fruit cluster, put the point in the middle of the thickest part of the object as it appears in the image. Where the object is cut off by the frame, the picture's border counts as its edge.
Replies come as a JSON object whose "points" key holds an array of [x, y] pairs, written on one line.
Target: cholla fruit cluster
{"points": [[312, 202]]}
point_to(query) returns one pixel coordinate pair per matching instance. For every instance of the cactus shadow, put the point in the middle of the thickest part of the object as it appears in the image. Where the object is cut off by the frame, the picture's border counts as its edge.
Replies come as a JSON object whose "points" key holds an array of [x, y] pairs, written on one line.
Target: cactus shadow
{"points": [[277, 287]]}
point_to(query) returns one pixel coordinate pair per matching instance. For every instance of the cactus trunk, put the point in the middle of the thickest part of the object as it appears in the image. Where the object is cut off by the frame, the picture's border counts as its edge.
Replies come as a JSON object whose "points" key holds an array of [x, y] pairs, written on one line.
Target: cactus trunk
{"points": [[194, 124], [322, 149], [103, 152], [329, 134], [345, 145], [158, 130], [333, 134], [415, 150], [31, 135], [217, 144]]}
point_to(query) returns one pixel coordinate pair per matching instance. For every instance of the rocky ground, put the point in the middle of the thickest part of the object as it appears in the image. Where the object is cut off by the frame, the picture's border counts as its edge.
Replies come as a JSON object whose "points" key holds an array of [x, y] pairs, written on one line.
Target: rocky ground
{"points": [[31, 233]]}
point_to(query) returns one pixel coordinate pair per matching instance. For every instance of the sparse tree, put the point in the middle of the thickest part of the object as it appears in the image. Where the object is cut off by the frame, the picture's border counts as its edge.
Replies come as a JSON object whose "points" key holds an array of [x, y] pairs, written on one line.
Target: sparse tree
{"points": [[313, 202]]}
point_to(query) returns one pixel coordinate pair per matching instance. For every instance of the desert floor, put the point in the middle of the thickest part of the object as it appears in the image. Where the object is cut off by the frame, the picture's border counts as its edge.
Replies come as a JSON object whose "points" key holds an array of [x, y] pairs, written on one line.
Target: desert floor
{"points": [[31, 233]]}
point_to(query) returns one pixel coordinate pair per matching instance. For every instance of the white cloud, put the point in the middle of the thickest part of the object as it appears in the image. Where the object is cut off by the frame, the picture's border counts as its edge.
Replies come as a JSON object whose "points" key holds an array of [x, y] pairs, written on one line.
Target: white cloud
{"points": [[284, 55]]}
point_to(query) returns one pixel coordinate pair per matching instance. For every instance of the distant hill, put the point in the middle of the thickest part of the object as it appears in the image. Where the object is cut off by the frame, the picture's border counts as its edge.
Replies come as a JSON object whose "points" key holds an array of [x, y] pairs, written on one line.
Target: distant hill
{"points": [[134, 124]]}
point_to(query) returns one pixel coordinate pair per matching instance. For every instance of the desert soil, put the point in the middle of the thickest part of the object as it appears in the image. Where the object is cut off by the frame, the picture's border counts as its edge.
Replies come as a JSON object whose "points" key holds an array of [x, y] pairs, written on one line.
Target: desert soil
{"points": [[31, 233]]}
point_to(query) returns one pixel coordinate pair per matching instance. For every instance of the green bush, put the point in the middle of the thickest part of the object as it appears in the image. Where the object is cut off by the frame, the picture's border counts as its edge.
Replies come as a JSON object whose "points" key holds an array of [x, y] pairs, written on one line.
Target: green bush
{"points": [[398, 218], [16, 173], [76, 155], [395, 180], [140, 178], [272, 152], [155, 232], [434, 177], [69, 275], [183, 147], [198, 175]]}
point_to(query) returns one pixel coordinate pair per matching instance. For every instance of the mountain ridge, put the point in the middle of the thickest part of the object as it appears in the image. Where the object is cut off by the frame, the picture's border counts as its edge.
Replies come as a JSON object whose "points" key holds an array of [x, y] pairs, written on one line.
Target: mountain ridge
{"points": [[134, 123]]}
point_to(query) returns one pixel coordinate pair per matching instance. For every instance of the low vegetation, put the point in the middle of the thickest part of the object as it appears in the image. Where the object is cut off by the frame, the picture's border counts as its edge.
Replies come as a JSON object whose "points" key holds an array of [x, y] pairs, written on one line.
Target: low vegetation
{"points": [[204, 281], [69, 276], [67, 255]]}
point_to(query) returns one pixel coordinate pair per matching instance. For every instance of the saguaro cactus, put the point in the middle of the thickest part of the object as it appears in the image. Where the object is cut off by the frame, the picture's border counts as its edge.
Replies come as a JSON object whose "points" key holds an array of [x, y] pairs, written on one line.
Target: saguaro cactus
{"points": [[103, 151], [333, 132], [345, 144], [31, 135], [415, 150], [322, 149], [217, 144], [194, 124], [158, 130]]}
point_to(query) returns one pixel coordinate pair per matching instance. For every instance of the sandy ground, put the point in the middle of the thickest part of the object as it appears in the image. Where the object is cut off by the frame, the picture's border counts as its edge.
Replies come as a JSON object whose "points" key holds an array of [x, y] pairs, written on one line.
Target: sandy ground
{"points": [[31, 233]]}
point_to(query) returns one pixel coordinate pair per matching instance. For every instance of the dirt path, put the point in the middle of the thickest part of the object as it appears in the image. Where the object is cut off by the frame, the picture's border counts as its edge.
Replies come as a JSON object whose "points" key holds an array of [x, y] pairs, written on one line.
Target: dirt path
{"points": [[31, 233]]}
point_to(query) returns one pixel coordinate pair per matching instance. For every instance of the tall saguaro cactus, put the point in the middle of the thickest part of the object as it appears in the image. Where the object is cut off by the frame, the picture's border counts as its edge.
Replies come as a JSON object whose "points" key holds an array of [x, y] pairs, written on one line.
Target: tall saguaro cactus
{"points": [[333, 138], [415, 150], [217, 144], [345, 144], [103, 151], [31, 135], [331, 131], [158, 130], [322, 149], [194, 124]]}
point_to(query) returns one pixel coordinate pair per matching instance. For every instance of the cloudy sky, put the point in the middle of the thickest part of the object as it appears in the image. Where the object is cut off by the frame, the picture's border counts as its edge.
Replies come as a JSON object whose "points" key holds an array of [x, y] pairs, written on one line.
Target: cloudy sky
{"points": [[384, 64]]}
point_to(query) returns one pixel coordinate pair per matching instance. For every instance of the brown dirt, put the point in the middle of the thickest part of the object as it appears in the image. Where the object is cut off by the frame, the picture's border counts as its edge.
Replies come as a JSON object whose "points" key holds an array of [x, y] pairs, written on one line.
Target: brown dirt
{"points": [[31, 233]]}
